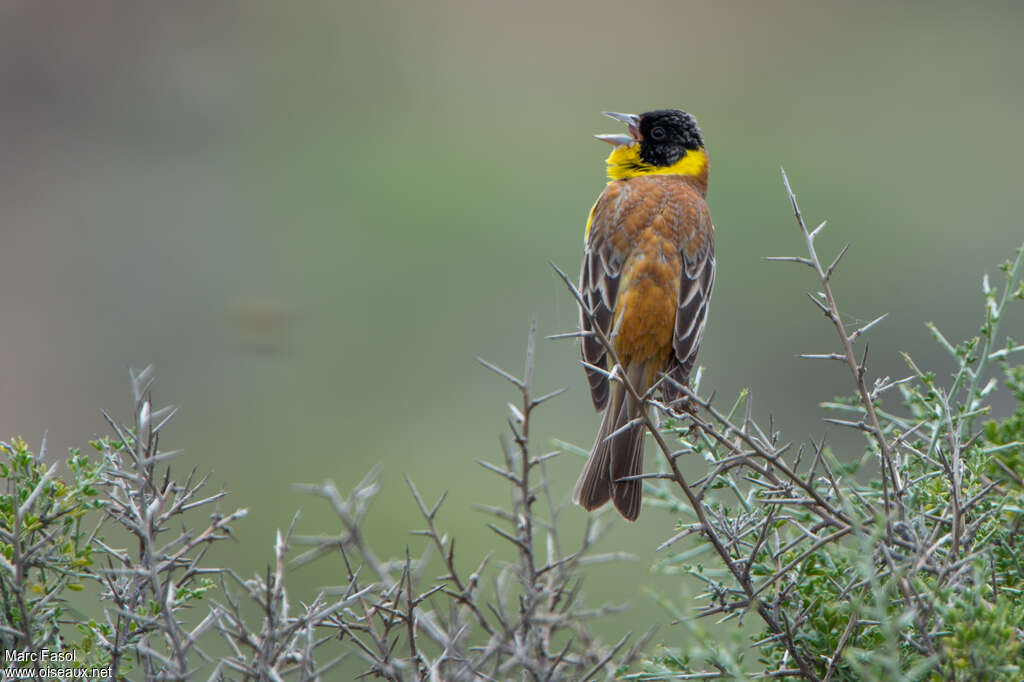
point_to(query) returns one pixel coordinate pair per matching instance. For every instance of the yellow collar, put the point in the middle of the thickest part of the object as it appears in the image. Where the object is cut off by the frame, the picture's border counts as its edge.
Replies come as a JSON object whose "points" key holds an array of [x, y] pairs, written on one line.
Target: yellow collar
{"points": [[625, 162]]}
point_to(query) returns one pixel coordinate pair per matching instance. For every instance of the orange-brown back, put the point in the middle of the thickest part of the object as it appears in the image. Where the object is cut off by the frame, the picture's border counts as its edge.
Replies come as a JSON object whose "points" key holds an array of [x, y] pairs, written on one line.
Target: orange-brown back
{"points": [[648, 237]]}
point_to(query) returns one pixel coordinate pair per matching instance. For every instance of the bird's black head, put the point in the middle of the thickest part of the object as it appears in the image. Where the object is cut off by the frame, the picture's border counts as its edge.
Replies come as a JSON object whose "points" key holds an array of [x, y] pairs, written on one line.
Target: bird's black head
{"points": [[666, 135]]}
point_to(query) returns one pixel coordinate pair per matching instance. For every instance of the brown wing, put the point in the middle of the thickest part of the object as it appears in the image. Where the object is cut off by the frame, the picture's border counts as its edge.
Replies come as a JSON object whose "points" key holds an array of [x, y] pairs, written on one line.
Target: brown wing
{"points": [[695, 283], [599, 285]]}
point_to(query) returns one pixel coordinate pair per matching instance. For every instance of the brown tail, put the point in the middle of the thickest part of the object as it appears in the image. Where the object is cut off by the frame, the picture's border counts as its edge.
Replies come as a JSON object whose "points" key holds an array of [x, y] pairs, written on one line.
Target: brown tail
{"points": [[615, 458]]}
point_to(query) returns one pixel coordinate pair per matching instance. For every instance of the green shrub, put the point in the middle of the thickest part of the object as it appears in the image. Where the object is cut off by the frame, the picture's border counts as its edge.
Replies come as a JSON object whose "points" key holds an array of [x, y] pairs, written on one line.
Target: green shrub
{"points": [[898, 562]]}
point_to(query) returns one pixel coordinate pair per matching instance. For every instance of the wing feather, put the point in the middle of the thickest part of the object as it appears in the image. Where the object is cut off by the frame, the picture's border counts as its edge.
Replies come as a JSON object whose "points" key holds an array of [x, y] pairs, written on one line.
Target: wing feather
{"points": [[695, 284], [599, 286]]}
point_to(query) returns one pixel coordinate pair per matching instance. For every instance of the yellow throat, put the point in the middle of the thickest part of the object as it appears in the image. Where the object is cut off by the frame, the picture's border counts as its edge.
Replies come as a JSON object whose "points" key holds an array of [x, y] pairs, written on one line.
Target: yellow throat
{"points": [[625, 162]]}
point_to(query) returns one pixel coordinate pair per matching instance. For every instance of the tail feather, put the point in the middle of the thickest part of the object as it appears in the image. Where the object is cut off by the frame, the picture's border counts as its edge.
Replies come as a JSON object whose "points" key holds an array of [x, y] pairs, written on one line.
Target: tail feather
{"points": [[627, 459], [594, 487], [615, 458]]}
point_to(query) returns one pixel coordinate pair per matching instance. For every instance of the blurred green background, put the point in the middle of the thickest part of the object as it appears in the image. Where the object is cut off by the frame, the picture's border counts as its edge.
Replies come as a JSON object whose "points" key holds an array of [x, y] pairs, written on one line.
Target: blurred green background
{"points": [[311, 217]]}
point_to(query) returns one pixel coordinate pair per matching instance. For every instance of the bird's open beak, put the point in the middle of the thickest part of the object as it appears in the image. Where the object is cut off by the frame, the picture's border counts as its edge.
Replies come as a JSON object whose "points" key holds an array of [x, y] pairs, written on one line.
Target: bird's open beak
{"points": [[632, 121]]}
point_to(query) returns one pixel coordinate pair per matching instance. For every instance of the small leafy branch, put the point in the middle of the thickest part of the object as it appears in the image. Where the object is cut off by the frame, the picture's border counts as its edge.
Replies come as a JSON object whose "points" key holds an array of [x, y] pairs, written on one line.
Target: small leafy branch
{"points": [[44, 545], [854, 575]]}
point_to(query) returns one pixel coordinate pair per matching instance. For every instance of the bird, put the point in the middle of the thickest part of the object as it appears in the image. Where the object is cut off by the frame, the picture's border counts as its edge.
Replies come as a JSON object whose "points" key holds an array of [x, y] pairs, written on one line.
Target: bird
{"points": [[646, 279]]}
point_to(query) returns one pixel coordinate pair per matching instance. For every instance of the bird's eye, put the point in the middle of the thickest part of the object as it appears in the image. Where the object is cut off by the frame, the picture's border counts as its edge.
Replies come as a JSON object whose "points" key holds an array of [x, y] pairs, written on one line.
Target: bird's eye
{"points": [[658, 133]]}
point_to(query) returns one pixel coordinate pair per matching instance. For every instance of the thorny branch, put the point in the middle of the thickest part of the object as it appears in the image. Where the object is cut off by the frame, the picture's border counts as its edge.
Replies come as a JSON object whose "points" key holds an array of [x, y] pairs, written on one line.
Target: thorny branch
{"points": [[710, 530], [858, 368], [525, 619]]}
